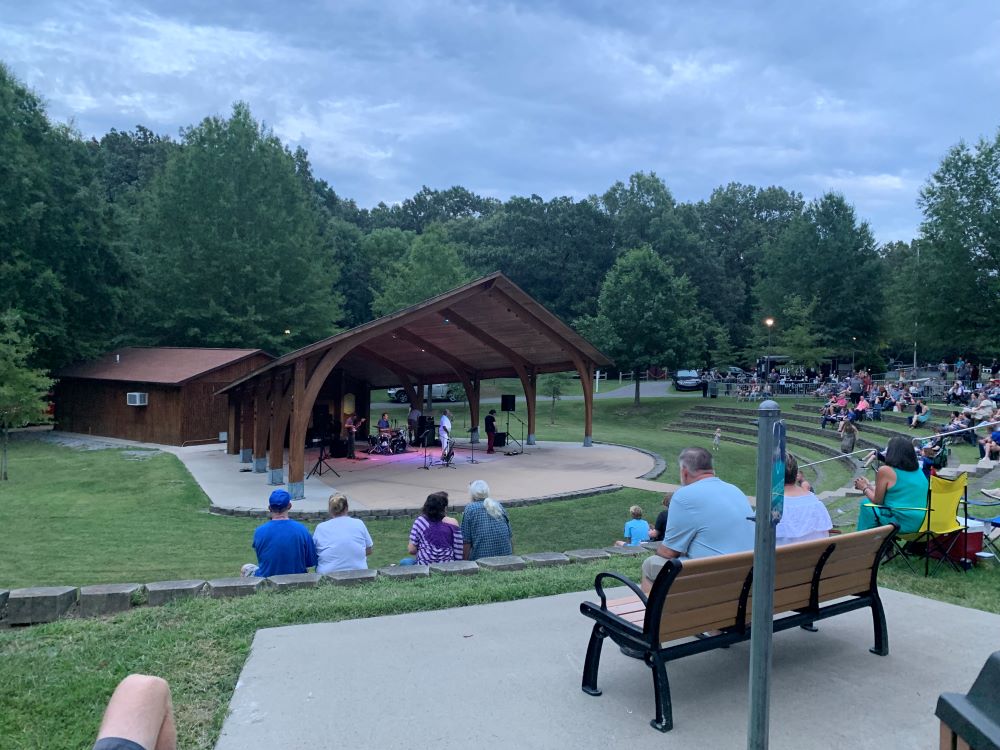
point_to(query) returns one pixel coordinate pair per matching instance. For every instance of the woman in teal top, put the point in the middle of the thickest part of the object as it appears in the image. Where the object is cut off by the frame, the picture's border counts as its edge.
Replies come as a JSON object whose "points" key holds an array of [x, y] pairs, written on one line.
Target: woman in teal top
{"points": [[900, 488]]}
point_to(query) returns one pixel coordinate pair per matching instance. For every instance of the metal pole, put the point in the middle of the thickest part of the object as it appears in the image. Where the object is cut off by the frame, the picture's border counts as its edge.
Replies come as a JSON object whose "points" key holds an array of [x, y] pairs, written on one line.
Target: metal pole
{"points": [[763, 583]]}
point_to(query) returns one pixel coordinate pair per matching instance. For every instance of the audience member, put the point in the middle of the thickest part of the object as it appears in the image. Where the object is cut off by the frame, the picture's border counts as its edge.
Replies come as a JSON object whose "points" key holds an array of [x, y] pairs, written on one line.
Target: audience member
{"points": [[660, 525], [435, 537], [282, 545], [899, 492], [707, 517], [804, 516], [485, 526], [636, 529], [342, 542], [139, 716]]}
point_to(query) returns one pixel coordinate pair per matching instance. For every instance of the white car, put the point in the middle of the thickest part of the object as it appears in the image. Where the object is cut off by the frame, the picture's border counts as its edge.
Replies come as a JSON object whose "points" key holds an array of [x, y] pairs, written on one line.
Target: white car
{"points": [[439, 392]]}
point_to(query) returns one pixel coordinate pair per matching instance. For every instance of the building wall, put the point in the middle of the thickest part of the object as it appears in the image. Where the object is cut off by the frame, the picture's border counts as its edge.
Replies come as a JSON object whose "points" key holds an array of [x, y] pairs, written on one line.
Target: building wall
{"points": [[175, 414], [205, 415], [99, 407]]}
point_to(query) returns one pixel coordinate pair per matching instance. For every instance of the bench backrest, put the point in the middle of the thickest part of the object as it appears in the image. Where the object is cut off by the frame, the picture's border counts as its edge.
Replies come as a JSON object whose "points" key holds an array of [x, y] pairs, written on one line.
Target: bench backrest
{"points": [[714, 592]]}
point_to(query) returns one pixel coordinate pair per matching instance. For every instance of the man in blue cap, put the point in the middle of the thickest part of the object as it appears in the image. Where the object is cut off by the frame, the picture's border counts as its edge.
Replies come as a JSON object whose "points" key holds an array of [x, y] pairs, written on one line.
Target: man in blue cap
{"points": [[282, 545]]}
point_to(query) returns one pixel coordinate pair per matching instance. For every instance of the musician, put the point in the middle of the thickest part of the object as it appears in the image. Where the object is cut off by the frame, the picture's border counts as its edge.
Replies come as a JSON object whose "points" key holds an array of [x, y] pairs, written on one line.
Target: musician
{"points": [[491, 430], [352, 425], [444, 432], [413, 421], [383, 423]]}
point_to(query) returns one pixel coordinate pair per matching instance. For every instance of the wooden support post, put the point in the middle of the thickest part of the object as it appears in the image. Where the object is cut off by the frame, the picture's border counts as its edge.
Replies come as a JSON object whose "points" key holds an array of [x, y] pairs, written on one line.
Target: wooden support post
{"points": [[261, 423], [297, 438], [246, 426], [530, 391], [233, 426], [281, 407], [472, 390], [586, 370]]}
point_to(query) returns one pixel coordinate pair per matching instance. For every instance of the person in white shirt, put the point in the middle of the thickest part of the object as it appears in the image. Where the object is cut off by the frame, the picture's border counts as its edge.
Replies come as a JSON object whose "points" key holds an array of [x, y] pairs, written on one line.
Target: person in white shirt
{"points": [[342, 543], [804, 516], [444, 432]]}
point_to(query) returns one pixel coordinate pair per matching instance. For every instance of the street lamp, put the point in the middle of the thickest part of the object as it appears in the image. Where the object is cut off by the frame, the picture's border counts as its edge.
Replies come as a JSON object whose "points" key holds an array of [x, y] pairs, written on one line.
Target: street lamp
{"points": [[853, 369], [768, 322]]}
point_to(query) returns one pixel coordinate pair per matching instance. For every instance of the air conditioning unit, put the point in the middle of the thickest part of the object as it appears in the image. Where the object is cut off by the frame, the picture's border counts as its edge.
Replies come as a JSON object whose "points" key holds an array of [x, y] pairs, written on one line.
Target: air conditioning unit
{"points": [[137, 399]]}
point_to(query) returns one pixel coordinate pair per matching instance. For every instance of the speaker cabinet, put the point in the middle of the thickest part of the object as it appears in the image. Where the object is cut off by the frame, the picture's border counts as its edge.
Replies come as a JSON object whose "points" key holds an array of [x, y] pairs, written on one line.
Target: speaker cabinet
{"points": [[507, 402]]}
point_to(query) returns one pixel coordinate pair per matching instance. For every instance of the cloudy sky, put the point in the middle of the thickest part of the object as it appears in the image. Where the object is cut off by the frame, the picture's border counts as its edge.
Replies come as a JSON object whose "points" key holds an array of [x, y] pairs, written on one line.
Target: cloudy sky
{"points": [[546, 97]]}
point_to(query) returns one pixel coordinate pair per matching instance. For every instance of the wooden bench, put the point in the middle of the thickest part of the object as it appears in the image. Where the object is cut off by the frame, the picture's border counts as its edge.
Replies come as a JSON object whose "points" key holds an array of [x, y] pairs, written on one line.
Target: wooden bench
{"points": [[813, 581]]}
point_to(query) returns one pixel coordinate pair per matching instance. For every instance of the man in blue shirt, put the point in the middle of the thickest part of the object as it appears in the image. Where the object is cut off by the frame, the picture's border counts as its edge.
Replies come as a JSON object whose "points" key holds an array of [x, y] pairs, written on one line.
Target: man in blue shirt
{"points": [[707, 517], [282, 545]]}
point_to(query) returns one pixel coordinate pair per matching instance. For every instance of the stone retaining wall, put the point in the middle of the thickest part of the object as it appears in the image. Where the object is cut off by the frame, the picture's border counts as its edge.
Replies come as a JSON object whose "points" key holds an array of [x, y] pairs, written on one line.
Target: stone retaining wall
{"points": [[30, 606]]}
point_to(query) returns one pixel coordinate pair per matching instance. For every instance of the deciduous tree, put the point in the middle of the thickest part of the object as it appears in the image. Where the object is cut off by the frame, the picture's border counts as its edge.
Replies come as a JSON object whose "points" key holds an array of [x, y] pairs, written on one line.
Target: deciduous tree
{"points": [[22, 387]]}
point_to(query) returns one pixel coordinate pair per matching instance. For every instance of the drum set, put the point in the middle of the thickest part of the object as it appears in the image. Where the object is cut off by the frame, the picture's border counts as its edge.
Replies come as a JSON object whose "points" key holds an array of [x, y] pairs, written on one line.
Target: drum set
{"points": [[387, 443]]}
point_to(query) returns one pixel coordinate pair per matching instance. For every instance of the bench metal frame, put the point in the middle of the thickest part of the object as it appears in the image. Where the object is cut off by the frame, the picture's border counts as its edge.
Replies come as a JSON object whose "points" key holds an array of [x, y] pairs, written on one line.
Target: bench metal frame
{"points": [[643, 643]]}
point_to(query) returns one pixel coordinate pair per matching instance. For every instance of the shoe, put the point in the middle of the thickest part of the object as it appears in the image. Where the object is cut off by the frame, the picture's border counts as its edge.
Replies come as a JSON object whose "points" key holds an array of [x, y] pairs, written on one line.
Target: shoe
{"points": [[995, 494]]}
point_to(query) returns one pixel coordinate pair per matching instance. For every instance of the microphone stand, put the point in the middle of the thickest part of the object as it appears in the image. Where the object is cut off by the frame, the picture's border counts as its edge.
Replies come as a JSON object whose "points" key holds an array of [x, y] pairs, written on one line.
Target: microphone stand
{"points": [[472, 445], [423, 439], [520, 444]]}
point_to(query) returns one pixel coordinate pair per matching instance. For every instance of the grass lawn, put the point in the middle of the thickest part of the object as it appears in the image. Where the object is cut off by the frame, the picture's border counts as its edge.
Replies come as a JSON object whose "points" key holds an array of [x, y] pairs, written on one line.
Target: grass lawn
{"points": [[78, 517]]}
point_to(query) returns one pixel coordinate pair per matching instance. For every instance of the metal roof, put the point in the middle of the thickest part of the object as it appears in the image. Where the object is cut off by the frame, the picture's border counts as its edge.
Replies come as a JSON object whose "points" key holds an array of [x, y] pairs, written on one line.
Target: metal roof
{"points": [[162, 365]]}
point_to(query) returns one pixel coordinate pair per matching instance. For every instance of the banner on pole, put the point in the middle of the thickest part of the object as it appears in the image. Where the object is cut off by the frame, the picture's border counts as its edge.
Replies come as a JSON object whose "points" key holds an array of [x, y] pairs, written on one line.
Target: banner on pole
{"points": [[778, 473]]}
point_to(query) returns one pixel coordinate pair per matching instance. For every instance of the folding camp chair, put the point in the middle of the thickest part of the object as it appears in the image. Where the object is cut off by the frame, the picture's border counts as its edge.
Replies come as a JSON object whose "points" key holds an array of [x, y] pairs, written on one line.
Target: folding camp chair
{"points": [[940, 530], [989, 524]]}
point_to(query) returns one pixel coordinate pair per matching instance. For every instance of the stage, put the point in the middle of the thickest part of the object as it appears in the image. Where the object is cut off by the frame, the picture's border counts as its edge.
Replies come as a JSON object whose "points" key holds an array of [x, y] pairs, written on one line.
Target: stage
{"points": [[399, 481]]}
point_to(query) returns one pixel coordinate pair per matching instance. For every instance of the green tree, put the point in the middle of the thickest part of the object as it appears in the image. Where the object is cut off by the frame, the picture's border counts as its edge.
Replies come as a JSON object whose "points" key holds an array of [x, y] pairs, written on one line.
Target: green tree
{"points": [[431, 265], [827, 256], [958, 253], [59, 263], [646, 315], [798, 338], [22, 388], [558, 251], [635, 208], [553, 385], [233, 244]]}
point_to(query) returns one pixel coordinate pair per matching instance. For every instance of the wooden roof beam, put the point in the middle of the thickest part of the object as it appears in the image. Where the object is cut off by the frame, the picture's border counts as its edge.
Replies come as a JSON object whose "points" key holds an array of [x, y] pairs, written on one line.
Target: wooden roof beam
{"points": [[461, 368], [537, 323], [519, 362]]}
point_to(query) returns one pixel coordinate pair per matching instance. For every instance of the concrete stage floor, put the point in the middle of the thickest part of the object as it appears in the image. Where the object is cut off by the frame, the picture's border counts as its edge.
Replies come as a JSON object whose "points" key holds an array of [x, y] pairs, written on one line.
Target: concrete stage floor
{"points": [[392, 482], [508, 676]]}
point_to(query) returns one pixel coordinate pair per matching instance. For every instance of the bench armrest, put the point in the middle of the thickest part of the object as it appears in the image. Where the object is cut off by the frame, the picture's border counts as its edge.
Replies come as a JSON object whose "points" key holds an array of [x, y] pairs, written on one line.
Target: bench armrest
{"points": [[895, 507], [599, 587]]}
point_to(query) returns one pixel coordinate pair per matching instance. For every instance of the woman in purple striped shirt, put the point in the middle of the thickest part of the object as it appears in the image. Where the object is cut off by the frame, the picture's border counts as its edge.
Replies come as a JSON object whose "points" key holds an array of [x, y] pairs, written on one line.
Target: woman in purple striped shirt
{"points": [[435, 537]]}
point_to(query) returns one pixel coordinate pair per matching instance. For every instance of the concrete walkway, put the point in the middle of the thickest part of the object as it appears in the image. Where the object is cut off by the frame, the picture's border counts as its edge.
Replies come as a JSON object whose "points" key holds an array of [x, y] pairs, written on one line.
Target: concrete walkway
{"points": [[508, 675]]}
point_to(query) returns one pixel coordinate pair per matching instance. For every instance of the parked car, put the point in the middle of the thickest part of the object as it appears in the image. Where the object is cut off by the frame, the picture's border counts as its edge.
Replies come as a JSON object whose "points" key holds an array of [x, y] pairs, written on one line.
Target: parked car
{"points": [[687, 380], [439, 392]]}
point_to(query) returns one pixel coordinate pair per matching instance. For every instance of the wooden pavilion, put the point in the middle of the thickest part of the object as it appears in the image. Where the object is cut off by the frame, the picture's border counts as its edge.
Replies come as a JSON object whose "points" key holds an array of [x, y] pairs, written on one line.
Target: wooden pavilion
{"points": [[489, 328]]}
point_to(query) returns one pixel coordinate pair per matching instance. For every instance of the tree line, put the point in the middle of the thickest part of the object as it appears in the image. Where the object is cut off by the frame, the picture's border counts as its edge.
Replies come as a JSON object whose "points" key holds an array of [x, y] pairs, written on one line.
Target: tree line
{"points": [[225, 237]]}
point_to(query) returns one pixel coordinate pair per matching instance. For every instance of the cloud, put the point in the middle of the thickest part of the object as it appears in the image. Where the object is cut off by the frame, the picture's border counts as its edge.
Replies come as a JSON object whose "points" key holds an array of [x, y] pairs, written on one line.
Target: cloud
{"points": [[545, 97]]}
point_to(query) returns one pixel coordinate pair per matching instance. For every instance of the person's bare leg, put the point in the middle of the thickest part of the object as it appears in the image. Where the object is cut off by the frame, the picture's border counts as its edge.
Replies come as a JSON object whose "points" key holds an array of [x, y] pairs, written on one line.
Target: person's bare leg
{"points": [[140, 710]]}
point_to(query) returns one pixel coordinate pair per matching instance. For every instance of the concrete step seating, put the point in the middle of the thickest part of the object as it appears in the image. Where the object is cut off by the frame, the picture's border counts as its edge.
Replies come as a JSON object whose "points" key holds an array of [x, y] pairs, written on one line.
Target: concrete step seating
{"points": [[29, 606], [800, 417]]}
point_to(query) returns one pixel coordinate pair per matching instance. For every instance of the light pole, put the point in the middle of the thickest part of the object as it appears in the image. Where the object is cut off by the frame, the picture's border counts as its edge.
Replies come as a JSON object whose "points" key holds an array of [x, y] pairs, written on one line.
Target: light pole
{"points": [[767, 373], [855, 340]]}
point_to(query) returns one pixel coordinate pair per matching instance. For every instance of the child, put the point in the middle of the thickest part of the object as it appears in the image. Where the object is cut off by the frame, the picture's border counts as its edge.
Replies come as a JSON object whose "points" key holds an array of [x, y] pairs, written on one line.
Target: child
{"points": [[636, 530], [717, 438]]}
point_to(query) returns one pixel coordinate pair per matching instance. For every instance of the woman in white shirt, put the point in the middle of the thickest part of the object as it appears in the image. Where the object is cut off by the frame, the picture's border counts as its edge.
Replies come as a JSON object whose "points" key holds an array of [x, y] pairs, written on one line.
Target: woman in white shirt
{"points": [[804, 517], [342, 543]]}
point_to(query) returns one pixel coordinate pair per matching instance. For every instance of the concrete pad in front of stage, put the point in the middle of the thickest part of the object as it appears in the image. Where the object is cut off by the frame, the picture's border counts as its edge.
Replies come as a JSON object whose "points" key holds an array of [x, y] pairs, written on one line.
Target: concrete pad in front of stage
{"points": [[508, 675], [394, 482]]}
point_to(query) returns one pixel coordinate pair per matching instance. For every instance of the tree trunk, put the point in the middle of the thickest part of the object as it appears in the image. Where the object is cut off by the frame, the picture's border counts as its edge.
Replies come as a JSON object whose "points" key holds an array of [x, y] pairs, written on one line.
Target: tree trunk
{"points": [[635, 376], [3, 457]]}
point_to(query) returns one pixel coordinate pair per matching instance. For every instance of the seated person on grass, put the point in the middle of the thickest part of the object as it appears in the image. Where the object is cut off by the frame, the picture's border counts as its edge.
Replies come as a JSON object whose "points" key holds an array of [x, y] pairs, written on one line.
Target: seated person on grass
{"points": [[282, 545], [708, 517], [660, 525], [636, 530]]}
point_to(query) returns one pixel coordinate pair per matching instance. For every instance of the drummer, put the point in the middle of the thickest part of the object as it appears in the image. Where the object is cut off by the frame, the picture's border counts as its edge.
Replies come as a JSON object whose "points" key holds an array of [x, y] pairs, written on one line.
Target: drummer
{"points": [[384, 427]]}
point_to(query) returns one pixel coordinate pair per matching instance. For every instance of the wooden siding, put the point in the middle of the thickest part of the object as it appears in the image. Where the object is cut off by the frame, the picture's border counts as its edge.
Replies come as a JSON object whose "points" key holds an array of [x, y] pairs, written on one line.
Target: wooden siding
{"points": [[174, 416]]}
